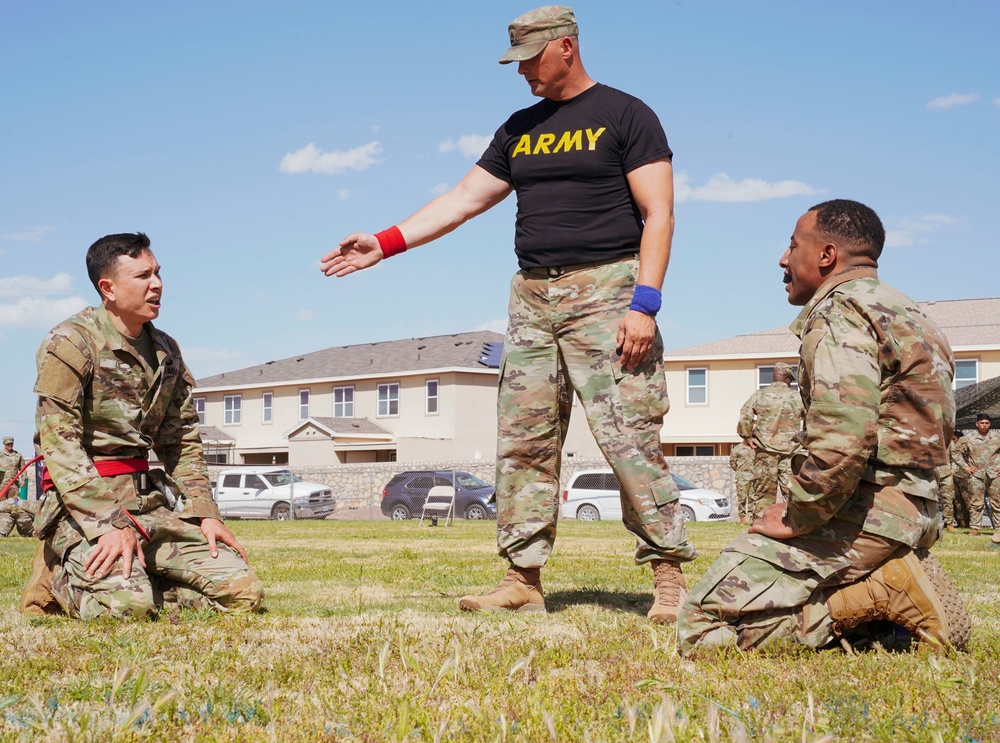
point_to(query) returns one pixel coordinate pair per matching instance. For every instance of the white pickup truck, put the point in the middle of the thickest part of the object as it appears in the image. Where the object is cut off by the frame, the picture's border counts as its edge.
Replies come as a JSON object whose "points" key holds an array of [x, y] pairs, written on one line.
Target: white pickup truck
{"points": [[268, 493]]}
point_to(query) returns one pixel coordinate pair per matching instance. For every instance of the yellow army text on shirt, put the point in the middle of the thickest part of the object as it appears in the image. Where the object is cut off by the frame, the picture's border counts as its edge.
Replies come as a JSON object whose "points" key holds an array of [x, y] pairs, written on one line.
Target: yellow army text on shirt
{"points": [[98, 399]]}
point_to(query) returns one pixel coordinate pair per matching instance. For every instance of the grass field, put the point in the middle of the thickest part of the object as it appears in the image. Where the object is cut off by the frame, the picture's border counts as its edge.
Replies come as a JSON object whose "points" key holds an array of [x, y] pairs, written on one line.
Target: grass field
{"points": [[362, 640]]}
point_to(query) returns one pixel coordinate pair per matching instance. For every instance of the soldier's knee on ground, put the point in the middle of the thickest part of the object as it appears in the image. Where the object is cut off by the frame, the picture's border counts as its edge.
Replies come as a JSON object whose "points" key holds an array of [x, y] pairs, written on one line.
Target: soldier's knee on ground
{"points": [[242, 592]]}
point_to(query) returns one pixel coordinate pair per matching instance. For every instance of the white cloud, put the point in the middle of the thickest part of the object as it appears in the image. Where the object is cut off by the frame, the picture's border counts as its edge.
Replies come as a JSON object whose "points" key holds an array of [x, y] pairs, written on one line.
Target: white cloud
{"points": [[498, 325], [312, 160], [38, 312], [29, 287], [721, 187], [304, 315], [911, 230], [996, 101], [343, 194], [950, 101], [470, 145], [30, 235], [440, 188]]}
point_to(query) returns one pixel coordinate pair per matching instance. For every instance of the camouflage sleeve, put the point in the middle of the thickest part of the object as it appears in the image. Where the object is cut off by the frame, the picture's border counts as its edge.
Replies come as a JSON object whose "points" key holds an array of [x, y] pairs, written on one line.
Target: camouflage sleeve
{"points": [[840, 424], [744, 429], [178, 445], [24, 475], [734, 459], [960, 453], [63, 367]]}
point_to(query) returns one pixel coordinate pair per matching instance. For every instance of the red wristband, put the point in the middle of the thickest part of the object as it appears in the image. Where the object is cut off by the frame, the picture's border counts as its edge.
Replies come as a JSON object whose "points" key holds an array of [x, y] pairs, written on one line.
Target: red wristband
{"points": [[391, 241]]}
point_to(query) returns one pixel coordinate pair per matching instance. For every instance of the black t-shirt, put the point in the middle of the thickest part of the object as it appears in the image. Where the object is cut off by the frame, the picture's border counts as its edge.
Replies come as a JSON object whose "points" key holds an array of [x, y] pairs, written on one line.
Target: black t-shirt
{"points": [[567, 160]]}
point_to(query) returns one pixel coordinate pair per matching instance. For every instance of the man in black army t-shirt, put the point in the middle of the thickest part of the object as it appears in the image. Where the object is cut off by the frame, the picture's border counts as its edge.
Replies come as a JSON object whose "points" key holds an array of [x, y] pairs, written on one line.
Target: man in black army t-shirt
{"points": [[594, 182]]}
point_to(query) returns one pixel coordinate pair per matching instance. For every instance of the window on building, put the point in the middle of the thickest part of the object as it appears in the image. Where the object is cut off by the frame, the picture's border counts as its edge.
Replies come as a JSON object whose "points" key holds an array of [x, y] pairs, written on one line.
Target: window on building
{"points": [[234, 410], [765, 375], [267, 406], [303, 404], [697, 386], [388, 400], [432, 397], [966, 372], [699, 450], [199, 405], [343, 402]]}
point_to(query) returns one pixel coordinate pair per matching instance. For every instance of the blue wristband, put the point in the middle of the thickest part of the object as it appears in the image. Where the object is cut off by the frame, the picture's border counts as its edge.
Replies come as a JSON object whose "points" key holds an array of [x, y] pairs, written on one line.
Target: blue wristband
{"points": [[646, 299]]}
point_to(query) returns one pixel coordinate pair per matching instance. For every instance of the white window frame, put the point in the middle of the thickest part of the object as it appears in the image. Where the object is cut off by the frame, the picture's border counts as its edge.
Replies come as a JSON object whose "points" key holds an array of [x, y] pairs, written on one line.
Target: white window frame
{"points": [[267, 408], [688, 387], [428, 397], [199, 406], [769, 376], [966, 380], [387, 390], [346, 406], [233, 405], [303, 404]]}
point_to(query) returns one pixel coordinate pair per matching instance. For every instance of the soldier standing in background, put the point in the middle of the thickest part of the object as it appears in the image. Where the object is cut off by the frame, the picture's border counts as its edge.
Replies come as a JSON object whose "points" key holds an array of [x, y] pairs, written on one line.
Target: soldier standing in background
{"points": [[850, 544], [13, 510], [741, 463], [952, 507], [595, 219], [979, 457], [769, 423], [121, 539]]}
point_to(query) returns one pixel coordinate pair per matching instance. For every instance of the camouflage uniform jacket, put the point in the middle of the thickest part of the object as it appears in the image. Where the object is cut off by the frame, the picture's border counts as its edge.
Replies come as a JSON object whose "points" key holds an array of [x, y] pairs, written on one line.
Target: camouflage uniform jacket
{"points": [[97, 401], [876, 380], [741, 461], [981, 452], [772, 417], [11, 464]]}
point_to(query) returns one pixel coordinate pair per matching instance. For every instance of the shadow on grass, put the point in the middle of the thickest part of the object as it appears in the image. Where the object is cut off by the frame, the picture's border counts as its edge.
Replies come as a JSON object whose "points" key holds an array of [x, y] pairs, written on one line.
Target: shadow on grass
{"points": [[634, 603]]}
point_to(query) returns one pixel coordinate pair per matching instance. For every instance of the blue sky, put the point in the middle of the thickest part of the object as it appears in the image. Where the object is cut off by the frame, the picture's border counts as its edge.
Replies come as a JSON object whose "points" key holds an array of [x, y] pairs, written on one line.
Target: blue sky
{"points": [[247, 138]]}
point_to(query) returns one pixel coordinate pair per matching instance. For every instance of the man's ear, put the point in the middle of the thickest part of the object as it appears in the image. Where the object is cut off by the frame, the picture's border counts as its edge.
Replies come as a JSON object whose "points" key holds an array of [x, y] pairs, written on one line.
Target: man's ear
{"points": [[828, 256], [106, 287]]}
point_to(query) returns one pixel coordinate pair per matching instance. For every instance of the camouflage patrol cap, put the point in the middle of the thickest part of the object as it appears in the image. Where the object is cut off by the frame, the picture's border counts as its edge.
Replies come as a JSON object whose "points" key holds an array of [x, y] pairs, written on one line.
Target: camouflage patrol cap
{"points": [[8, 439], [530, 32], [783, 368]]}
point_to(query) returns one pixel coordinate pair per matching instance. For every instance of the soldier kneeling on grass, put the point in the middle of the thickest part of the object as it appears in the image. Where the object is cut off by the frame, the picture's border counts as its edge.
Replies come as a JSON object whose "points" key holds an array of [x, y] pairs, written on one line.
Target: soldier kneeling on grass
{"points": [[120, 539], [850, 544]]}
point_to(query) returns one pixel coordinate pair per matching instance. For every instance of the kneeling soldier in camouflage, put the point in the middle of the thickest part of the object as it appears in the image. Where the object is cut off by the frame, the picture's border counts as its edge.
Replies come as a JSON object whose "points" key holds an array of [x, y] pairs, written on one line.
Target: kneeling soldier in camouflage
{"points": [[850, 544], [120, 539]]}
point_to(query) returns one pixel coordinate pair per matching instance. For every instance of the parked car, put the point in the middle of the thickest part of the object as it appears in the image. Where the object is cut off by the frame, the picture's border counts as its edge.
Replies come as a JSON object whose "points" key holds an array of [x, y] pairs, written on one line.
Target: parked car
{"points": [[404, 495], [268, 493], [593, 495]]}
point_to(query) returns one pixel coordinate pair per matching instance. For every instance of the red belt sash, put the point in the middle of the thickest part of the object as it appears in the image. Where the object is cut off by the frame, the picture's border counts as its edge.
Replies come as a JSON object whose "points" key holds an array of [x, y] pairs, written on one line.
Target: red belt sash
{"points": [[105, 468], [3, 493]]}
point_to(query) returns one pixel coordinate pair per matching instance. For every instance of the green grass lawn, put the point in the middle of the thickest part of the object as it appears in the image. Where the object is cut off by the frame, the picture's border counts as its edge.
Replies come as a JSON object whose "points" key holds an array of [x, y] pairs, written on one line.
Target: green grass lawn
{"points": [[362, 640]]}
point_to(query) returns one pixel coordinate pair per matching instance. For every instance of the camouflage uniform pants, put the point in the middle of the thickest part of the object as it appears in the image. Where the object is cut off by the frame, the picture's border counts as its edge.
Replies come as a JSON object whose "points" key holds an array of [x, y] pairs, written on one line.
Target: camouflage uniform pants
{"points": [[179, 571], [761, 590], [953, 507], [16, 512], [561, 337], [771, 475], [744, 497], [976, 492]]}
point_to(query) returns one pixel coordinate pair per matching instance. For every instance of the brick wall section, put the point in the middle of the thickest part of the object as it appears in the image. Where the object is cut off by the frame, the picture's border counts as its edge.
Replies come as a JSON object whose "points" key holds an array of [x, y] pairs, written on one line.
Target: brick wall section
{"points": [[358, 487]]}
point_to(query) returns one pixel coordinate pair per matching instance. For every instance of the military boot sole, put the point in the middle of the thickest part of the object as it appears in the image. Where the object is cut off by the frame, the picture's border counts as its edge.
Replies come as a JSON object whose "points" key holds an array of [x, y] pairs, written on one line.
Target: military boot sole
{"points": [[956, 615], [467, 605]]}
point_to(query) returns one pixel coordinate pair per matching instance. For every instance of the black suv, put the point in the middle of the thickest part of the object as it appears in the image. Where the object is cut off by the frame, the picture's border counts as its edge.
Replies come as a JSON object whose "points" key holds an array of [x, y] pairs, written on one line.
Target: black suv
{"points": [[404, 495]]}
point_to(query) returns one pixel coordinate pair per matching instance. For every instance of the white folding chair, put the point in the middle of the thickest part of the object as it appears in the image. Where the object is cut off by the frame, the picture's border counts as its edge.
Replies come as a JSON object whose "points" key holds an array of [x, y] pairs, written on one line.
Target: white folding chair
{"points": [[440, 499]]}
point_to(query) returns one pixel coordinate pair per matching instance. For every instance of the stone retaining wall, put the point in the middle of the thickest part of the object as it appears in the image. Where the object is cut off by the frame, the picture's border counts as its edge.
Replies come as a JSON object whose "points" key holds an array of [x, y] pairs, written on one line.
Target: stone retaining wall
{"points": [[358, 487]]}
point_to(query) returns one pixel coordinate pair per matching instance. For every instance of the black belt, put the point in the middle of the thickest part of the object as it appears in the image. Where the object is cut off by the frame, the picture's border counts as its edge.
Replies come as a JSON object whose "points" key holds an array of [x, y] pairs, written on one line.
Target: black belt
{"points": [[551, 272]]}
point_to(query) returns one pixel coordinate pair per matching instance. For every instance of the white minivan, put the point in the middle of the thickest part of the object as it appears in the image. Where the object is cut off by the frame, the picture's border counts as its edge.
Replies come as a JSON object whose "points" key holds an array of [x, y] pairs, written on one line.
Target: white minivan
{"points": [[594, 495], [268, 493]]}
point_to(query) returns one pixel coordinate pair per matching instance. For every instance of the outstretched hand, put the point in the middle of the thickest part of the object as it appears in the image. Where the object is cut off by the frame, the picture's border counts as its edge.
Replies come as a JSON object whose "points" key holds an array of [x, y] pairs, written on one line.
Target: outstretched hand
{"points": [[355, 252]]}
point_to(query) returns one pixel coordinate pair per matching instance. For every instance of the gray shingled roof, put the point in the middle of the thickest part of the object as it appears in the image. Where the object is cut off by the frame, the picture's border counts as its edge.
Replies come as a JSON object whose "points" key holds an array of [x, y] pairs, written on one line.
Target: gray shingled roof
{"points": [[460, 350], [966, 322], [351, 425], [215, 435]]}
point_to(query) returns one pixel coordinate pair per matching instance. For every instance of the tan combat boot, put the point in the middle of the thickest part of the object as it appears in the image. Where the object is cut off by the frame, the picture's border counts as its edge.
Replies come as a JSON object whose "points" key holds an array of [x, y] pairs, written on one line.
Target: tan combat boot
{"points": [[973, 532], [995, 538], [899, 592], [520, 590], [669, 591], [37, 599]]}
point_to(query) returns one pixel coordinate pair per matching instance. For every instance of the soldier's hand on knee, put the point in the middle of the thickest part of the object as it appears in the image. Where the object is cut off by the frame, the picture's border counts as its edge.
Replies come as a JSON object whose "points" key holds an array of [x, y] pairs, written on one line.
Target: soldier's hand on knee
{"points": [[215, 531], [123, 543]]}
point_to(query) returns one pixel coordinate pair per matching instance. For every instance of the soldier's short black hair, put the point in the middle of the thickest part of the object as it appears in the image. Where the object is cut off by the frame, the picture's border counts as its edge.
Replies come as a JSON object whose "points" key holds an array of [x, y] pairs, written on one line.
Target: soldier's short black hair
{"points": [[103, 254], [983, 417], [857, 225]]}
